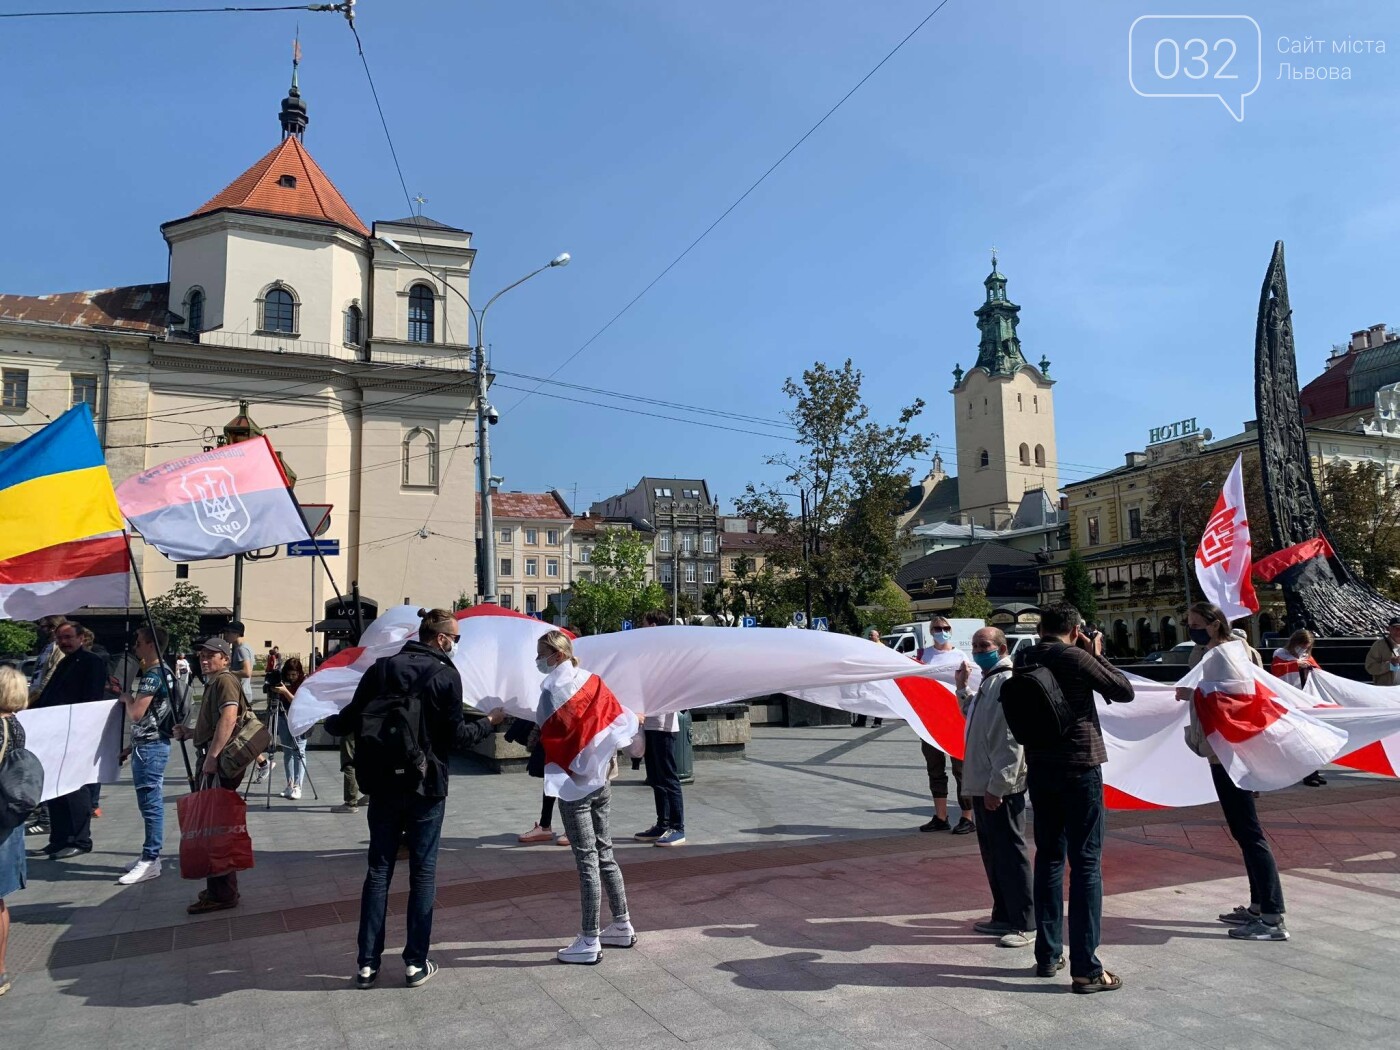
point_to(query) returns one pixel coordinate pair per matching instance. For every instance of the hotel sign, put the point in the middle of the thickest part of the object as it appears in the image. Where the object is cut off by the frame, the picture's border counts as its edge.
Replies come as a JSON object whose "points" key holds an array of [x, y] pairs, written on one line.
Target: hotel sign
{"points": [[1169, 432]]}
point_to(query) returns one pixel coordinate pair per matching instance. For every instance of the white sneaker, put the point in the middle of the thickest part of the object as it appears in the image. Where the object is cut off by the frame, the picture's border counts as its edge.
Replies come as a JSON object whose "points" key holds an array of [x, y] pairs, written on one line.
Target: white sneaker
{"points": [[142, 871], [294, 793], [260, 774], [585, 950], [132, 864], [618, 935]]}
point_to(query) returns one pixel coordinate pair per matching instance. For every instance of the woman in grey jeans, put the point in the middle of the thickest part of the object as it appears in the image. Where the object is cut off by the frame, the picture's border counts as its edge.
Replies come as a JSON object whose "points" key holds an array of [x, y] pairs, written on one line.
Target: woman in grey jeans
{"points": [[581, 725]]}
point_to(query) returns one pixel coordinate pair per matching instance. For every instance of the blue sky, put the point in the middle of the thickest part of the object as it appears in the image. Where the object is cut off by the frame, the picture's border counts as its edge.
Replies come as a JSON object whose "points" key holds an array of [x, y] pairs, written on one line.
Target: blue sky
{"points": [[1134, 231]]}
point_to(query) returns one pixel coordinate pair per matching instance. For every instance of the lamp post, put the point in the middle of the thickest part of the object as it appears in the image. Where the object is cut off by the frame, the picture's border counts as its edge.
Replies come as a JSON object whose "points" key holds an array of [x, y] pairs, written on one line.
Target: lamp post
{"points": [[806, 573], [486, 414]]}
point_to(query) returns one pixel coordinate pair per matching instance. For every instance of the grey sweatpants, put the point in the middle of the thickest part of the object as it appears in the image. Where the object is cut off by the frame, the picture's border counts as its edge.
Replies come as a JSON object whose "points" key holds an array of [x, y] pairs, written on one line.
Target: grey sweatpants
{"points": [[586, 822]]}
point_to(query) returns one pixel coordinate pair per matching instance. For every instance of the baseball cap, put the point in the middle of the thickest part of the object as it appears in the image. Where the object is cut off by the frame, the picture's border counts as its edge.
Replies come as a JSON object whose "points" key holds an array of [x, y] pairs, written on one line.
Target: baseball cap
{"points": [[217, 645], [235, 625], [1395, 621]]}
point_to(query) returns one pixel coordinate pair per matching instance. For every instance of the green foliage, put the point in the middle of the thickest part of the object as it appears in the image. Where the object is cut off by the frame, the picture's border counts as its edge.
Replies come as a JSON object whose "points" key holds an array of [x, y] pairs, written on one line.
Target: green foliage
{"points": [[1186, 491], [854, 474], [887, 607], [617, 588], [177, 610], [1362, 505], [1079, 587], [971, 602], [462, 602], [17, 636]]}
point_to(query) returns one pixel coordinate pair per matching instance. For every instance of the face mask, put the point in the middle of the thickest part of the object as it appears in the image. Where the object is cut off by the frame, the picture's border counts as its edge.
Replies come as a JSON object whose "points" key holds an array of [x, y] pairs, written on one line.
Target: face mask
{"points": [[542, 663], [941, 637], [449, 647], [1199, 635], [987, 661]]}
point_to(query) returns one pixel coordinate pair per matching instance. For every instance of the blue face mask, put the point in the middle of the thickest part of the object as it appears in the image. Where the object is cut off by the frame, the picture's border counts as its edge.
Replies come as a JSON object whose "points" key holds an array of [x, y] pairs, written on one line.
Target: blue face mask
{"points": [[941, 637], [988, 660]]}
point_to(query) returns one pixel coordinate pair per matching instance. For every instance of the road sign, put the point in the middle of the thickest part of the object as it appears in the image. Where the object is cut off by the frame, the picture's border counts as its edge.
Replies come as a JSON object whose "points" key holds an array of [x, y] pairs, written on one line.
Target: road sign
{"points": [[626, 625], [799, 619], [749, 621], [819, 623], [317, 517], [311, 548]]}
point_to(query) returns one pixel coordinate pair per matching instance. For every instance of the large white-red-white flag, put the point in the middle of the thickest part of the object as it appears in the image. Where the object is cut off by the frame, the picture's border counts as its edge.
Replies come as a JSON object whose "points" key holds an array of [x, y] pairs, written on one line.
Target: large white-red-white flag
{"points": [[1224, 554]]}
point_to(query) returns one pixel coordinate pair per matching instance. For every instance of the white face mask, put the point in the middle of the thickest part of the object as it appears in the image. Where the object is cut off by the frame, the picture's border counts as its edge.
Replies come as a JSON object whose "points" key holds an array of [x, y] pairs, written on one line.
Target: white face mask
{"points": [[449, 647], [542, 662]]}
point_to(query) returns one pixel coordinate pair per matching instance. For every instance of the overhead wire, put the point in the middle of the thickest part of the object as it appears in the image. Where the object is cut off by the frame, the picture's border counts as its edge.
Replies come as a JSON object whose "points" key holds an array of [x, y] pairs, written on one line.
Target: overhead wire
{"points": [[172, 11]]}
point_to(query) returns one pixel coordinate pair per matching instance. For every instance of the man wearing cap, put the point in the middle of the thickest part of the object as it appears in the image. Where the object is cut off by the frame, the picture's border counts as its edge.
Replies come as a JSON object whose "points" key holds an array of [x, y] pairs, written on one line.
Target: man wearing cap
{"points": [[1383, 660], [213, 729]]}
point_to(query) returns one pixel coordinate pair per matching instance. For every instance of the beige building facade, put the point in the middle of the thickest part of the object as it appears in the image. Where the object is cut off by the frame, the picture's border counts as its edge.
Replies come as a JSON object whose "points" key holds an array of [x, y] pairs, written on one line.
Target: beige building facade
{"points": [[534, 549]]}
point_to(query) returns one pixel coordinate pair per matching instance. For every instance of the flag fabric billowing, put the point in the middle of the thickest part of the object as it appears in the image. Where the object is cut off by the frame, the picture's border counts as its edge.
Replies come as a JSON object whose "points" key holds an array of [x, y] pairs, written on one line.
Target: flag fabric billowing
{"points": [[76, 744], [1284, 566], [1223, 557], [227, 501], [1373, 744], [61, 541], [582, 727]]}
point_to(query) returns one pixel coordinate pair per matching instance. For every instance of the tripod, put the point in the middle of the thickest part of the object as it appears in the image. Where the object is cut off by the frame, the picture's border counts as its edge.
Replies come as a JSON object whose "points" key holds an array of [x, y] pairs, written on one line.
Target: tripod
{"points": [[274, 719]]}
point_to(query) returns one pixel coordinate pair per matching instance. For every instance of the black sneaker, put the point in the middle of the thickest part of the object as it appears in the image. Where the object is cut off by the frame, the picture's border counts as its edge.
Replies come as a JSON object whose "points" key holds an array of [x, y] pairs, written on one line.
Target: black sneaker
{"points": [[964, 827], [936, 824], [420, 975], [1315, 780], [650, 835], [366, 977], [1050, 969]]}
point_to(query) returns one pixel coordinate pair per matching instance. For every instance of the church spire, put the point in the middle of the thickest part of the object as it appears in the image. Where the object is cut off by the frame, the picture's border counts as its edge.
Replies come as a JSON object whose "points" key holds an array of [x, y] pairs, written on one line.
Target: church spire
{"points": [[293, 115], [999, 353]]}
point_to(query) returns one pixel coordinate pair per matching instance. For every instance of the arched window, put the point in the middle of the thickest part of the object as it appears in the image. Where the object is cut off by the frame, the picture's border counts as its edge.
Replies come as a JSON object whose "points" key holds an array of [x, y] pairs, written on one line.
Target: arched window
{"points": [[1035, 402], [279, 310], [1019, 406], [984, 459], [1025, 454], [420, 459], [420, 314], [194, 311], [1040, 455], [354, 325]]}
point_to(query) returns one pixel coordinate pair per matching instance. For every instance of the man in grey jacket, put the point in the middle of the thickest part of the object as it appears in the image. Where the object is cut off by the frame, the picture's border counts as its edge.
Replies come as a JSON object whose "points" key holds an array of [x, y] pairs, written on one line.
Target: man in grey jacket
{"points": [[994, 775]]}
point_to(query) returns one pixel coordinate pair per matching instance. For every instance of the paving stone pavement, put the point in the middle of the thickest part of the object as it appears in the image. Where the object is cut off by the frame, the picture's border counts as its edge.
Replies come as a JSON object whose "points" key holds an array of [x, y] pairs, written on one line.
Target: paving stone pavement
{"points": [[805, 912]]}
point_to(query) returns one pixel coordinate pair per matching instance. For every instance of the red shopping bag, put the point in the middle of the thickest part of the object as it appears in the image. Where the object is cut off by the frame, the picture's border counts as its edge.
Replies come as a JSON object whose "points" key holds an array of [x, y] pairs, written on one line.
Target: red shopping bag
{"points": [[213, 834]]}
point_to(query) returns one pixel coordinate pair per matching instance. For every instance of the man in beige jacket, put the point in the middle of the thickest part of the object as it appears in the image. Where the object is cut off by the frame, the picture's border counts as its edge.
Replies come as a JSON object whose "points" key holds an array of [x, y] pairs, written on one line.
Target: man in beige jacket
{"points": [[1383, 660]]}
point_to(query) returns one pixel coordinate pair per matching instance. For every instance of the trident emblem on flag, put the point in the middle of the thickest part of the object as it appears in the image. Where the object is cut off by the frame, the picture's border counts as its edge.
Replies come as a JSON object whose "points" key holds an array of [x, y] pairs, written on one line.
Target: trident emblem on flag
{"points": [[218, 509]]}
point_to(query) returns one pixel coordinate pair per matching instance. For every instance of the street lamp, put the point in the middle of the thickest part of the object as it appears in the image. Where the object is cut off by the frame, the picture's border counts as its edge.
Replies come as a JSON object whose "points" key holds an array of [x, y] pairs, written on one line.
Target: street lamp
{"points": [[486, 413]]}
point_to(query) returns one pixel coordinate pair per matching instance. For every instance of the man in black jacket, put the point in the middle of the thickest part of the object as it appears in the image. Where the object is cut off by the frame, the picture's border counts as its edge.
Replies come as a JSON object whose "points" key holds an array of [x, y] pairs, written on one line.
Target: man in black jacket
{"points": [[80, 677], [1066, 789], [421, 669]]}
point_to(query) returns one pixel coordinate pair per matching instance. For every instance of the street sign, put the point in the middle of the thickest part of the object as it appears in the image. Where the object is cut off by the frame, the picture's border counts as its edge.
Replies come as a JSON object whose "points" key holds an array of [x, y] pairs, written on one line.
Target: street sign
{"points": [[819, 623], [626, 625], [799, 619], [317, 517], [312, 548], [749, 621]]}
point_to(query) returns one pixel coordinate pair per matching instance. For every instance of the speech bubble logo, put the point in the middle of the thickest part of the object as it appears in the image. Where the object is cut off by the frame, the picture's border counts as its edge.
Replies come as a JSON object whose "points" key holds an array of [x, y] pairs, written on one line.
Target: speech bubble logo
{"points": [[1196, 56]]}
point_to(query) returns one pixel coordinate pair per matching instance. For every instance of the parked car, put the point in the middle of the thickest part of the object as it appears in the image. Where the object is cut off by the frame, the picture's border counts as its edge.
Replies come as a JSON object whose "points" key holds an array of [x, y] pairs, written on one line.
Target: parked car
{"points": [[26, 665], [1177, 654]]}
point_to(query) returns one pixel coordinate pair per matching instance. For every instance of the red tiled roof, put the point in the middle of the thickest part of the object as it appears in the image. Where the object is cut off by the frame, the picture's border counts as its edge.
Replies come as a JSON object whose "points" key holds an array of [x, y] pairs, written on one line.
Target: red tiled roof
{"points": [[313, 196], [527, 506], [1326, 396], [136, 307]]}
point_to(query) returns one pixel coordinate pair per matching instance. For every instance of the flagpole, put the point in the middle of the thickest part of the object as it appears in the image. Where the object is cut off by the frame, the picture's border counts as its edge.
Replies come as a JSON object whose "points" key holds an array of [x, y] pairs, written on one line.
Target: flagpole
{"points": [[155, 640]]}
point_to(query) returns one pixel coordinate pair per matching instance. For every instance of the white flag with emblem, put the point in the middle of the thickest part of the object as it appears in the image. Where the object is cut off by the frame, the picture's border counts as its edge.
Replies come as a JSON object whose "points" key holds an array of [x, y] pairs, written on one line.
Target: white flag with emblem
{"points": [[1224, 555]]}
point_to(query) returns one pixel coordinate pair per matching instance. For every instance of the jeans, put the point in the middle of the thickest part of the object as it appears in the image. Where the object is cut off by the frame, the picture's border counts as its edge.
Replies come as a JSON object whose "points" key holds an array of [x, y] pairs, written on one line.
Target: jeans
{"points": [[148, 763], [393, 818], [1265, 889], [70, 819], [936, 762], [351, 794], [293, 752], [1001, 837], [1069, 823], [586, 822], [665, 781]]}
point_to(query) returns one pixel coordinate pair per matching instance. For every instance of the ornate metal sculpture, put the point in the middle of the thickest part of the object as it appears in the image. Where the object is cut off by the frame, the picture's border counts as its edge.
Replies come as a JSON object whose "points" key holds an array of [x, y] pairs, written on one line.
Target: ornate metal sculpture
{"points": [[1326, 598]]}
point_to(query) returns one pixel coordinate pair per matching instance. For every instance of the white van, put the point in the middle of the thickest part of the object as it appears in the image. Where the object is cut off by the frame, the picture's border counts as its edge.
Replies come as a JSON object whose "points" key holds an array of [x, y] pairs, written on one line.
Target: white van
{"points": [[910, 638]]}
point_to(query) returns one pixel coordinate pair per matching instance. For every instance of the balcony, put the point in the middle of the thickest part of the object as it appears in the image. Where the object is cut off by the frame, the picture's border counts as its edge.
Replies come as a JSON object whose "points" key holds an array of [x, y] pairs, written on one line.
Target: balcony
{"points": [[408, 355]]}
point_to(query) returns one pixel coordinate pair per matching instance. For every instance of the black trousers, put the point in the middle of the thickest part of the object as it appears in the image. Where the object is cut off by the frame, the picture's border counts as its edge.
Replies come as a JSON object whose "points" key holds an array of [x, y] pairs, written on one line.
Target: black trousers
{"points": [[70, 819], [665, 780], [1001, 837], [1265, 889]]}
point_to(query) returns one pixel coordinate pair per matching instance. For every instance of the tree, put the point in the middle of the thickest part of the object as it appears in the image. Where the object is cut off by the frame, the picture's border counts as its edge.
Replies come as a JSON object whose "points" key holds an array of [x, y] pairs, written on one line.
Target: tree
{"points": [[888, 606], [17, 636], [971, 602], [1079, 588], [617, 588], [177, 610], [1188, 489], [1362, 505], [854, 474]]}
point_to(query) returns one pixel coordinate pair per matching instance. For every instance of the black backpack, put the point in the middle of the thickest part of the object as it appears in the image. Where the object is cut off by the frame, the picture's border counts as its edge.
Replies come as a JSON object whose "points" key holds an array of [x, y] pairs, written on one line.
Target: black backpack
{"points": [[392, 750], [21, 780], [1036, 710]]}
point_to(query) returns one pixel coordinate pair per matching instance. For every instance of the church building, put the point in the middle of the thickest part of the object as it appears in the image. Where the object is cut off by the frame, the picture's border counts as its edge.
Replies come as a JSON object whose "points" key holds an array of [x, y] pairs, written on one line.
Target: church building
{"points": [[352, 358]]}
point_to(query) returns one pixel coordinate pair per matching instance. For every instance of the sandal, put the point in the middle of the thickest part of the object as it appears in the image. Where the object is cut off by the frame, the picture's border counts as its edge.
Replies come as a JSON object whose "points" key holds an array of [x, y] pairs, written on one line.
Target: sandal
{"points": [[1102, 982]]}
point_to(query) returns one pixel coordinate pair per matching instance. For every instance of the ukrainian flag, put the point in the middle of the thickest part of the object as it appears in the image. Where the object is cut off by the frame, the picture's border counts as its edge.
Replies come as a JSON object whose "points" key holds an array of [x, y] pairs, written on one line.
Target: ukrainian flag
{"points": [[62, 542]]}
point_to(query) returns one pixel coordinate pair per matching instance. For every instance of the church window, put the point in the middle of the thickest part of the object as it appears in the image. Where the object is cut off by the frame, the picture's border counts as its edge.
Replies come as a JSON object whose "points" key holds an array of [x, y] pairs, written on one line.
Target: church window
{"points": [[279, 310], [984, 459], [420, 459], [354, 325], [1025, 453], [1040, 455], [420, 314], [969, 408], [1020, 407], [1035, 402], [986, 405], [194, 311]]}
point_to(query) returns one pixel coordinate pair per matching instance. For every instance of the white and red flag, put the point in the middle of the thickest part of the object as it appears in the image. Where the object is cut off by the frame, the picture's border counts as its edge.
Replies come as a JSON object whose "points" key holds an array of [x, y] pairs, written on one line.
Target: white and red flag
{"points": [[1223, 557], [582, 727]]}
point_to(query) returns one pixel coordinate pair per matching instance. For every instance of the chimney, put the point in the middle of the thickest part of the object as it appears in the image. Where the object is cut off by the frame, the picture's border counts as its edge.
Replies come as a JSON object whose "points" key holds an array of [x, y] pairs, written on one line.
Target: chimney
{"points": [[1136, 459], [1360, 340], [1378, 335]]}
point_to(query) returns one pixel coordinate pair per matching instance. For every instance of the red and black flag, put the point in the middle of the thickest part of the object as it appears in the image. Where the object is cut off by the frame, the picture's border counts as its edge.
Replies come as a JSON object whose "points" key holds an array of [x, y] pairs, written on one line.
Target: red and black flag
{"points": [[1287, 565]]}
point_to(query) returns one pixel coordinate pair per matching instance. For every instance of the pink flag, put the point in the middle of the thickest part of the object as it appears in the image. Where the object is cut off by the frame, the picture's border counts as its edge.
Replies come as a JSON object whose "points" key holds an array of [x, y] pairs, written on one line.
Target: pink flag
{"points": [[1223, 557]]}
